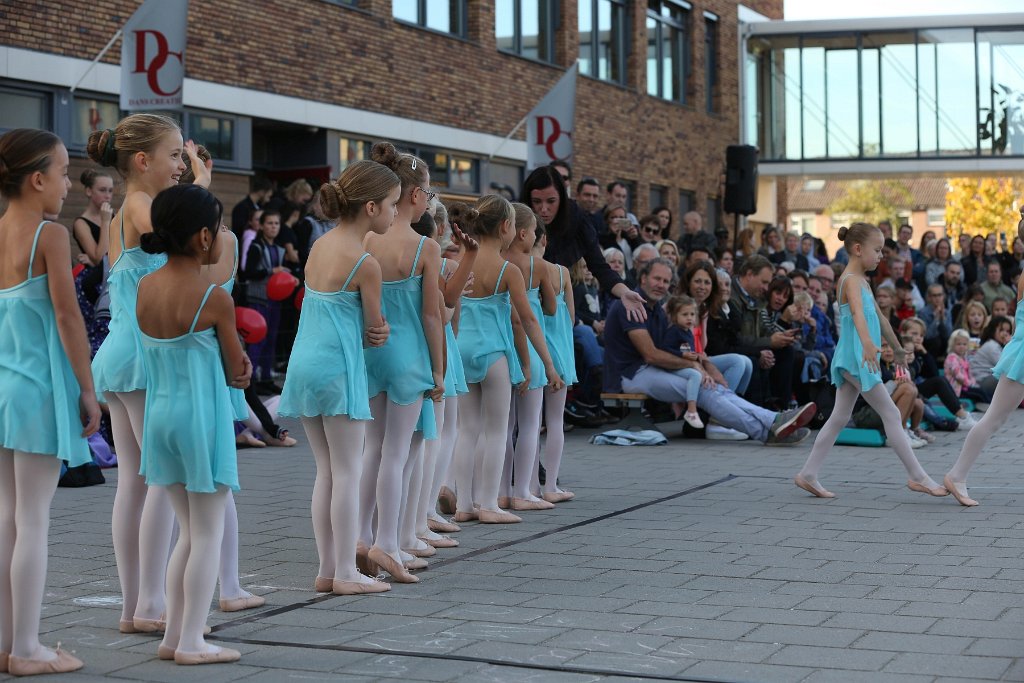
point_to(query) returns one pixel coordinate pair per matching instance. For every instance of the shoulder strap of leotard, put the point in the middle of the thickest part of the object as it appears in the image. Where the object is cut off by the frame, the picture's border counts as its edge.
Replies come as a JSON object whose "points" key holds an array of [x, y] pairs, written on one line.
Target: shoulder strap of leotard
{"points": [[839, 288], [192, 327], [35, 243], [444, 262], [352, 274], [529, 284], [561, 283], [500, 275], [415, 261], [234, 268], [122, 229]]}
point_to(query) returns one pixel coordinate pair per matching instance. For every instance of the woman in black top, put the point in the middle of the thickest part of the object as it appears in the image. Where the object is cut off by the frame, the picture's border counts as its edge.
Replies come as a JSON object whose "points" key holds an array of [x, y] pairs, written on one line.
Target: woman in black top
{"points": [[572, 237]]}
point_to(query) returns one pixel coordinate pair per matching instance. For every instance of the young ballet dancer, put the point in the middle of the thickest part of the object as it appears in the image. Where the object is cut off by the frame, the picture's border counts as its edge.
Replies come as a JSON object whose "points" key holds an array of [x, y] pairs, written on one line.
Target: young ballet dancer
{"points": [[559, 336], [855, 369], [405, 375], [527, 406], [146, 149], [190, 348], [343, 298], [493, 363], [46, 387], [1007, 397]]}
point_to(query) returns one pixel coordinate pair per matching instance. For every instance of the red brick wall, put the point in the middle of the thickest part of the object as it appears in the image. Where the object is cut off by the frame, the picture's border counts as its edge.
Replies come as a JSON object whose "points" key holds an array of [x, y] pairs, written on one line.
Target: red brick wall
{"points": [[362, 58]]}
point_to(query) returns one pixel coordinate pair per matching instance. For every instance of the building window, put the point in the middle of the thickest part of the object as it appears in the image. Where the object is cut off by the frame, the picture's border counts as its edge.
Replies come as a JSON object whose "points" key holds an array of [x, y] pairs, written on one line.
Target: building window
{"points": [[668, 51], [526, 27], [602, 26], [711, 61], [446, 16], [462, 174], [711, 215], [90, 114], [23, 109], [687, 200], [350, 151], [216, 133], [658, 196]]}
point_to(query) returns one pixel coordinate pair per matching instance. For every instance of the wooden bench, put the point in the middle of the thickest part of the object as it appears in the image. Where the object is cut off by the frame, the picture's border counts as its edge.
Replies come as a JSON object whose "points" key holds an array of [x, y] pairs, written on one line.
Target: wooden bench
{"points": [[635, 418]]}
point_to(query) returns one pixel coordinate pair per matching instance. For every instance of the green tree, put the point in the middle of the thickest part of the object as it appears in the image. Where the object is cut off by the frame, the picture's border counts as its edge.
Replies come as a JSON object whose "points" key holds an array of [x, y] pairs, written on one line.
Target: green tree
{"points": [[871, 201], [982, 206]]}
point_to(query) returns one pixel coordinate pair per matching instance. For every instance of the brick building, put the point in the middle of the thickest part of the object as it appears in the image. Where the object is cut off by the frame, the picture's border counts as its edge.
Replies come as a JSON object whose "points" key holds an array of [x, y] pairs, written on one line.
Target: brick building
{"points": [[302, 88]]}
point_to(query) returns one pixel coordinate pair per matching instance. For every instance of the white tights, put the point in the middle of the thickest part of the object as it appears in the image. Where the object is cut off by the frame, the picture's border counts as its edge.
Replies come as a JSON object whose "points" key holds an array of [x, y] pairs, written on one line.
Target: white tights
{"points": [[337, 444], [126, 415], [1007, 398], [418, 502], [554, 443], [444, 449], [27, 484], [524, 461], [895, 433], [192, 571], [480, 445], [386, 457]]}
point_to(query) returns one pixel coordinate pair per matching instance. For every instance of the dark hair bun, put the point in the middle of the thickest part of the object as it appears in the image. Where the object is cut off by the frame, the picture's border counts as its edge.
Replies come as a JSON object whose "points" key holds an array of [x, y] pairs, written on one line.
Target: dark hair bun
{"points": [[153, 243], [4, 171], [100, 147], [466, 217], [88, 177], [386, 154], [333, 202], [842, 233]]}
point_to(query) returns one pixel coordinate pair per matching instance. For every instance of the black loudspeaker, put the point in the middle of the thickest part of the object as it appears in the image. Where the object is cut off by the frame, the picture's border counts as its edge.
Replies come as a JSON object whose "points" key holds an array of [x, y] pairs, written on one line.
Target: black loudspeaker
{"points": [[740, 180]]}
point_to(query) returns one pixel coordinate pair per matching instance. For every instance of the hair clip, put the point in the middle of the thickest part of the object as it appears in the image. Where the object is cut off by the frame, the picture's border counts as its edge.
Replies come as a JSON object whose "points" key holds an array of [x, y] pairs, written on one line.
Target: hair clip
{"points": [[414, 160]]}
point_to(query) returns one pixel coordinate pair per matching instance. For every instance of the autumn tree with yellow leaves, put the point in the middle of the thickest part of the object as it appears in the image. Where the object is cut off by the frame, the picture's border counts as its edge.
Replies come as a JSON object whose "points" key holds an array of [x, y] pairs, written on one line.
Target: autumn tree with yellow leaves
{"points": [[983, 206]]}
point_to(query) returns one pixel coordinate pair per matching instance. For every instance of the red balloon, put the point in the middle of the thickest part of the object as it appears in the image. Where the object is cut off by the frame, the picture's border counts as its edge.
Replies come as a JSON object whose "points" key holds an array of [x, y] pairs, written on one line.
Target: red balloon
{"points": [[250, 324], [281, 285], [299, 296], [77, 270]]}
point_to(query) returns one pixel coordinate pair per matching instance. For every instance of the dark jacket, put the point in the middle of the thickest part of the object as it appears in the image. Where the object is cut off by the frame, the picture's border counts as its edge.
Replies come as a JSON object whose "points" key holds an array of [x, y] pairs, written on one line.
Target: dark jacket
{"points": [[749, 339], [578, 240]]}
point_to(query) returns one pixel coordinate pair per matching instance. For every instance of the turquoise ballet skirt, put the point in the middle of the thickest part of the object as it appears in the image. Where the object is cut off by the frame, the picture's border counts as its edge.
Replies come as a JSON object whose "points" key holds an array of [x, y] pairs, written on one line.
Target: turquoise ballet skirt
{"points": [[117, 366], [849, 355], [1011, 362], [455, 373], [326, 370], [401, 367], [538, 375], [238, 404], [558, 335], [485, 334], [188, 437], [39, 410]]}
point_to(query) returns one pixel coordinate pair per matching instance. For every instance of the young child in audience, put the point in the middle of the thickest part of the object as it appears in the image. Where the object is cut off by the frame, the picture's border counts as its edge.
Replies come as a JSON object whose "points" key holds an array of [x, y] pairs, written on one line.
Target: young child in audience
{"points": [[263, 259], [973, 318], [958, 369], [678, 340]]}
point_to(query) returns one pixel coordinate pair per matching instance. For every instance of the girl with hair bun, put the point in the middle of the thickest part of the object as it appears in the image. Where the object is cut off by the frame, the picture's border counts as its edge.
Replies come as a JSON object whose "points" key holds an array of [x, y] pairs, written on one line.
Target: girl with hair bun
{"points": [[495, 315], [190, 348], [46, 388], [405, 376], [340, 312], [147, 151], [91, 232], [855, 367]]}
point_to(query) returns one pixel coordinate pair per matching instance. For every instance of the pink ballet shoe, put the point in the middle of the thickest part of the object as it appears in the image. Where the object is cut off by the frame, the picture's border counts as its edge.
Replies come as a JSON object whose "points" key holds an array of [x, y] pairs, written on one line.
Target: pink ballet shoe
{"points": [[446, 501], [221, 656], [3, 661], [461, 516], [322, 585], [166, 653], [557, 496], [813, 487], [429, 551], [443, 542], [497, 517], [415, 563], [64, 663], [959, 491], [363, 563], [391, 566], [504, 502], [126, 626], [359, 587], [522, 504], [149, 625], [242, 603], [937, 491], [440, 527]]}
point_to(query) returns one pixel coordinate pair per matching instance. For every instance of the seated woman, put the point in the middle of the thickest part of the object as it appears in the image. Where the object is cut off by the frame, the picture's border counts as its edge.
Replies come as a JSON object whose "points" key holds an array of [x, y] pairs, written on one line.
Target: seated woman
{"points": [[994, 337]]}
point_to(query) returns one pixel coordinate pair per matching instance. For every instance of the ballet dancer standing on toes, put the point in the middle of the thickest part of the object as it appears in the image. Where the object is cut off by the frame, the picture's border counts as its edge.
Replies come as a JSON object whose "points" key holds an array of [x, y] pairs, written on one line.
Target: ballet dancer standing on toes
{"points": [[1007, 397], [405, 376], [147, 150], [190, 347], [46, 387], [855, 369], [343, 298]]}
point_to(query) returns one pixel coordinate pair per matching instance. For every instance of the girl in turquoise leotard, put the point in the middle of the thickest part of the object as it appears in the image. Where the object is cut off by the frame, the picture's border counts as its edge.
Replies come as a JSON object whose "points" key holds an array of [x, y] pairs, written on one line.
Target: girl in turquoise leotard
{"points": [[855, 370], [46, 387]]}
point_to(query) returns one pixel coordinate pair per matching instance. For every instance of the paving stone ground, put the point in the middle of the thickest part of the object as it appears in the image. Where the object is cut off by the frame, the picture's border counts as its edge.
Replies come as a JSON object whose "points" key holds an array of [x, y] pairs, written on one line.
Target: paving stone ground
{"points": [[696, 561]]}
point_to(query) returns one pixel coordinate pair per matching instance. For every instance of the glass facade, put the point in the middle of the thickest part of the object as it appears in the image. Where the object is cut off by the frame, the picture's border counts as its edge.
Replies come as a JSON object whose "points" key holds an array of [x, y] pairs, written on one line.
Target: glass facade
{"points": [[924, 93], [526, 27], [602, 27]]}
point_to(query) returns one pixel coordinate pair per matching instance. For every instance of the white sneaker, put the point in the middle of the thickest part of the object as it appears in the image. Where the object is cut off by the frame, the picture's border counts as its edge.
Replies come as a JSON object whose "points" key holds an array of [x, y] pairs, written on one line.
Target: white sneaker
{"points": [[693, 419], [964, 423], [716, 432], [914, 441]]}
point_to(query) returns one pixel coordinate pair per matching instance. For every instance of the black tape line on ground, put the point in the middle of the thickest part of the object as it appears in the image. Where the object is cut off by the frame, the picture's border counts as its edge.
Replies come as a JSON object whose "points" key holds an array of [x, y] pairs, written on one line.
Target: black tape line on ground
{"points": [[482, 551], [565, 668]]}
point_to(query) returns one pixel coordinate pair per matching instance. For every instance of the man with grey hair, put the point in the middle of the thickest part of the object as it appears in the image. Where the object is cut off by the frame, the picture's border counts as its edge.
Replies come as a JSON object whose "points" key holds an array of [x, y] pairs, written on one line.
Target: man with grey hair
{"points": [[634, 362], [694, 236], [643, 255]]}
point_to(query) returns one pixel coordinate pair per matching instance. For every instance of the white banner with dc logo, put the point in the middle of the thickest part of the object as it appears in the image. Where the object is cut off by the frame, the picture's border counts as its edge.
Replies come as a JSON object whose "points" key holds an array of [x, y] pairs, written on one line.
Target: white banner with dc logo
{"points": [[549, 125], [153, 56]]}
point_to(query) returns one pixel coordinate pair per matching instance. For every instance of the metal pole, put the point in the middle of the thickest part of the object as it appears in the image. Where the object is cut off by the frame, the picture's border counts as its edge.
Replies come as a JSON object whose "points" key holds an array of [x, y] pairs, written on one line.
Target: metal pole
{"points": [[508, 137], [98, 58]]}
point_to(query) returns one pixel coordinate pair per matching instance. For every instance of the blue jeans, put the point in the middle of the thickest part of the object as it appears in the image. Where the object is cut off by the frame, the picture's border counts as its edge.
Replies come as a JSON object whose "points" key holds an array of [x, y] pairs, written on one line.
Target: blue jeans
{"points": [[721, 404], [592, 352], [736, 368]]}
